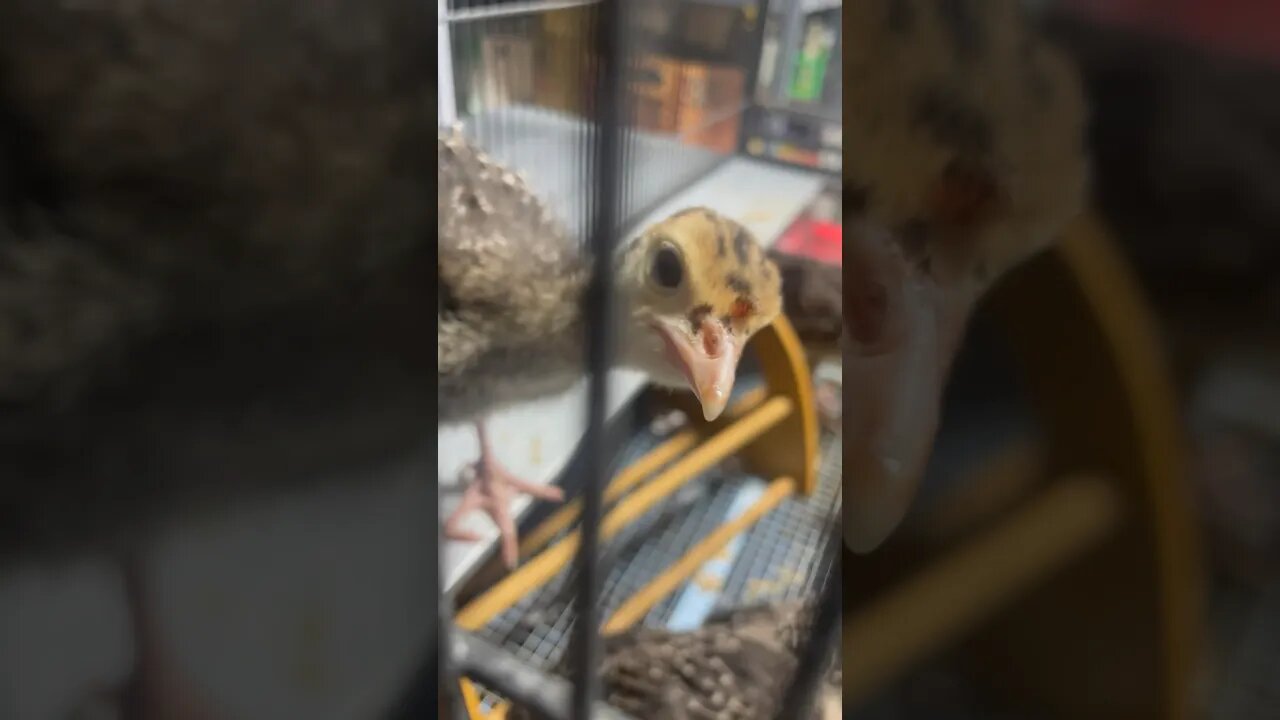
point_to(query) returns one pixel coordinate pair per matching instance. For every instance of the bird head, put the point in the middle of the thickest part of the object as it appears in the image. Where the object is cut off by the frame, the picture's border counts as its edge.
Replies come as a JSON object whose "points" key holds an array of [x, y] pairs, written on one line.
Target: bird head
{"points": [[963, 158], [695, 288]]}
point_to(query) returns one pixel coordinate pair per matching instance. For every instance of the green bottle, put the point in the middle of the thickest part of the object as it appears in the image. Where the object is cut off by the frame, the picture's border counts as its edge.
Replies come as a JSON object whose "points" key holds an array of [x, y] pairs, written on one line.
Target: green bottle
{"points": [[811, 66]]}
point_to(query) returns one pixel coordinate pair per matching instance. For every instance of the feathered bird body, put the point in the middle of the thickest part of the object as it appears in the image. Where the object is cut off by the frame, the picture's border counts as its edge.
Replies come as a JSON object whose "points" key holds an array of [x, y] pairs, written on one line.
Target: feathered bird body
{"points": [[811, 292], [736, 667], [510, 284]]}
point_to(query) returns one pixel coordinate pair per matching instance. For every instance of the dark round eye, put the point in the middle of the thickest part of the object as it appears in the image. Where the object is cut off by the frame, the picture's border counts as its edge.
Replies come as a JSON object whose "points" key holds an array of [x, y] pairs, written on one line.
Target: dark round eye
{"points": [[667, 270]]}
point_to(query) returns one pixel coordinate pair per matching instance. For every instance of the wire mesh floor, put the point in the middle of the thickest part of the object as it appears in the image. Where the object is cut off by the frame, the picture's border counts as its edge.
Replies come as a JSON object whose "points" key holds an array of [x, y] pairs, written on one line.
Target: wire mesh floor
{"points": [[777, 559]]}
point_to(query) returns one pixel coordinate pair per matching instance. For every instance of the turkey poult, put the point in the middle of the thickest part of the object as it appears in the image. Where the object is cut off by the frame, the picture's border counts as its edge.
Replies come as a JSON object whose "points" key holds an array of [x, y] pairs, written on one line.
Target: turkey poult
{"points": [[692, 290], [964, 156], [735, 667]]}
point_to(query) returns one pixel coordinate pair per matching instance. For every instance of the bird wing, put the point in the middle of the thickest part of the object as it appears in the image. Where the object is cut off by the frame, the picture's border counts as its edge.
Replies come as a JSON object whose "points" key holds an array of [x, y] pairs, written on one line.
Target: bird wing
{"points": [[737, 665], [811, 295], [508, 271]]}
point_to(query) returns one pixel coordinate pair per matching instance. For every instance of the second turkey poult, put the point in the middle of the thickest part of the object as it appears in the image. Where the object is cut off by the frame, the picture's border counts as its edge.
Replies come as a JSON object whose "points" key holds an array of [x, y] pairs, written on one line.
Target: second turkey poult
{"points": [[735, 667], [691, 291]]}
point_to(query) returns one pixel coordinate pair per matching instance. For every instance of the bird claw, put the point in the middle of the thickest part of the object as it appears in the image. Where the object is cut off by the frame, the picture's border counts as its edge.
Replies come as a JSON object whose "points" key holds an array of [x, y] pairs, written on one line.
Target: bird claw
{"points": [[490, 491]]}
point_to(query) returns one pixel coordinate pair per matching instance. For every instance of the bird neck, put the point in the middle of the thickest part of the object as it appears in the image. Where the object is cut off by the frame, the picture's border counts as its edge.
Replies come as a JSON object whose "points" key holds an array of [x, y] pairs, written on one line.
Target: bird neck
{"points": [[572, 337]]}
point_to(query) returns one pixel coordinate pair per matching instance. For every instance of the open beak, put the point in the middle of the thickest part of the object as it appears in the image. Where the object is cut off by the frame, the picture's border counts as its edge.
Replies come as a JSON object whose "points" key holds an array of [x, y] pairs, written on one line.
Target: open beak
{"points": [[708, 359], [902, 330]]}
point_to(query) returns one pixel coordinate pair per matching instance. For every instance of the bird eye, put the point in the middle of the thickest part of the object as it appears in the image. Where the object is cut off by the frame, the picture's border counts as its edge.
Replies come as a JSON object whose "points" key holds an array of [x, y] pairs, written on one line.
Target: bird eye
{"points": [[667, 270]]}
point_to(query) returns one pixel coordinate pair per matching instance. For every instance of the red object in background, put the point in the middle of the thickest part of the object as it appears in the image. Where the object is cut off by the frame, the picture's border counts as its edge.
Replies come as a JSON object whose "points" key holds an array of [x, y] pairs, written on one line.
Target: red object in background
{"points": [[821, 241], [1249, 28]]}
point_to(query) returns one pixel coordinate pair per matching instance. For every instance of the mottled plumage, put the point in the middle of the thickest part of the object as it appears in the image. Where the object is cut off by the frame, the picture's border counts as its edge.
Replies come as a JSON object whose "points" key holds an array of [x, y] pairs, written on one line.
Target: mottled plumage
{"points": [[510, 283], [811, 292], [736, 667], [962, 120]]}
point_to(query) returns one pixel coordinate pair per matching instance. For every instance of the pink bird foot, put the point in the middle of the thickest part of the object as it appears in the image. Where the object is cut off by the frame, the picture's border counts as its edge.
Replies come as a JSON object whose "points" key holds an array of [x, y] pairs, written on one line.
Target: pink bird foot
{"points": [[491, 490]]}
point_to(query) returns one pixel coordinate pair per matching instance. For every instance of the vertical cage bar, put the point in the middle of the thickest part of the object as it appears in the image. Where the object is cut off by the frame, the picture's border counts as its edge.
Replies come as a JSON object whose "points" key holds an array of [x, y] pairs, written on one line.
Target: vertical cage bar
{"points": [[822, 636], [757, 53], [446, 95], [450, 695], [750, 91], [628, 110], [447, 696], [609, 89]]}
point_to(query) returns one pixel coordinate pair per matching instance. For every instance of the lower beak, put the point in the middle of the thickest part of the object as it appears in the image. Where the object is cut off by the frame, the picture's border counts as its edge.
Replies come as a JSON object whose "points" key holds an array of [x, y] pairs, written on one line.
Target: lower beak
{"points": [[902, 330], [709, 361]]}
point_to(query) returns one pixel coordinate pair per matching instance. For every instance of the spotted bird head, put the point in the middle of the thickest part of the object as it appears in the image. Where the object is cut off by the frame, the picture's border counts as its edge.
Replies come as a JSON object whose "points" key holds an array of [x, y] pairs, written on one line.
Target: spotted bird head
{"points": [[695, 288], [965, 154]]}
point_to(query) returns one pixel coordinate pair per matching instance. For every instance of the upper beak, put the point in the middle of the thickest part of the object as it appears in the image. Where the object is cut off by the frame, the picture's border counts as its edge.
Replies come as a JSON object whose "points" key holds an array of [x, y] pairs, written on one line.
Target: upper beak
{"points": [[901, 334], [709, 360]]}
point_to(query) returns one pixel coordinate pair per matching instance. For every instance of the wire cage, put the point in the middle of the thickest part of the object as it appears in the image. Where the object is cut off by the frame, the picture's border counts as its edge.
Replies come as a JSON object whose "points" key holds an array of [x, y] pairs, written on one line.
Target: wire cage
{"points": [[521, 78], [578, 95]]}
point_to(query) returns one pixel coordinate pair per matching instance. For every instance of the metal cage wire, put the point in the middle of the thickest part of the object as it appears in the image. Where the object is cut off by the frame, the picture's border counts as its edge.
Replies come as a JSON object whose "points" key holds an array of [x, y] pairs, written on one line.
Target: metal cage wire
{"points": [[598, 142], [489, 75]]}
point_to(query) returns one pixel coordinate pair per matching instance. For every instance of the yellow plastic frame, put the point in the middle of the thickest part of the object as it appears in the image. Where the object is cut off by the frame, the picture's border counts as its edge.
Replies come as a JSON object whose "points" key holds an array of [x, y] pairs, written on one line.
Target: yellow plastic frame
{"points": [[773, 429]]}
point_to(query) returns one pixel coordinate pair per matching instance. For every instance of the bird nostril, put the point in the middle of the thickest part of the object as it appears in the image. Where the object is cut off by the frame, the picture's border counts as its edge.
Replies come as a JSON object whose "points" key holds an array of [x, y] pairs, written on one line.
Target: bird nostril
{"points": [[713, 343]]}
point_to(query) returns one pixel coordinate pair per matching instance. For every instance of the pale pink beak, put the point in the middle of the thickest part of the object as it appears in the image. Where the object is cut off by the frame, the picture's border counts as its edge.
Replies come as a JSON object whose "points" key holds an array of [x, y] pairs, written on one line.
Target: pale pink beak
{"points": [[902, 330], [708, 358]]}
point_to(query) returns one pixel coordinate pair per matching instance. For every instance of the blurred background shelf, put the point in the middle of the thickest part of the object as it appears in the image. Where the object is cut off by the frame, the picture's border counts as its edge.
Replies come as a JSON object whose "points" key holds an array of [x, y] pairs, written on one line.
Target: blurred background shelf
{"points": [[796, 104]]}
